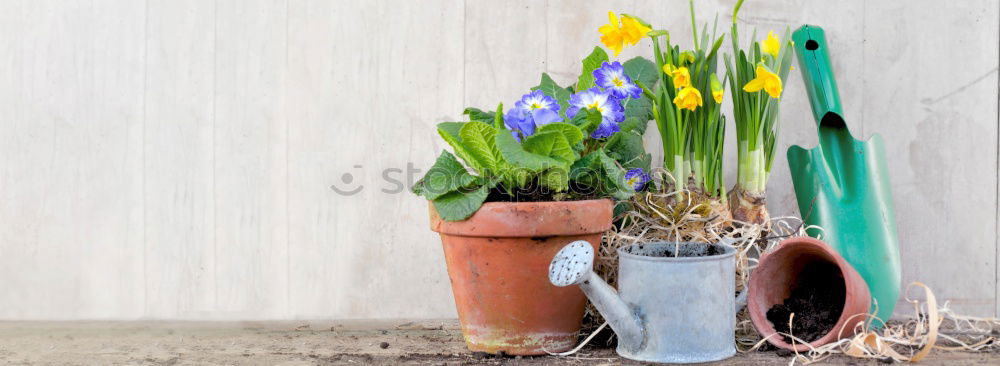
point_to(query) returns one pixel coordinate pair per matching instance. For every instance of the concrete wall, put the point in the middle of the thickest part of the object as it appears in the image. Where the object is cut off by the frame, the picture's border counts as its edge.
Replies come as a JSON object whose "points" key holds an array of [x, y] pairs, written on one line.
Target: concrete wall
{"points": [[176, 159]]}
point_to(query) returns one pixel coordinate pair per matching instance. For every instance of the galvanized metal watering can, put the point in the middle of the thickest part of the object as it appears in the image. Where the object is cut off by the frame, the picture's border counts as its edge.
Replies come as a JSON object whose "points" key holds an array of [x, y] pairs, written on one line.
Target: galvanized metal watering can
{"points": [[674, 302]]}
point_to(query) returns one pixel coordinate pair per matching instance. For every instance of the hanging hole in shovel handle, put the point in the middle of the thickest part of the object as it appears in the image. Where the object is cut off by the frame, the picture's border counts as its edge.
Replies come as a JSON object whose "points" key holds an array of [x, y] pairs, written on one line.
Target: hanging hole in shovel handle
{"points": [[812, 45], [832, 120]]}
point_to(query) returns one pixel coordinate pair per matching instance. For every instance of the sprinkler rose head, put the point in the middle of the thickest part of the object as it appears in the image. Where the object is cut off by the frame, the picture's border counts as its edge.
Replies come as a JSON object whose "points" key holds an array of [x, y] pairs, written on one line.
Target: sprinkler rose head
{"points": [[572, 264]]}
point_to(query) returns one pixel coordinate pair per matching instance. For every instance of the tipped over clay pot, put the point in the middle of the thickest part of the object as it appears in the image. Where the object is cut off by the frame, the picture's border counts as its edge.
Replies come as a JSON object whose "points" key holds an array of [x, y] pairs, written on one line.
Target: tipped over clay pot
{"points": [[806, 275]]}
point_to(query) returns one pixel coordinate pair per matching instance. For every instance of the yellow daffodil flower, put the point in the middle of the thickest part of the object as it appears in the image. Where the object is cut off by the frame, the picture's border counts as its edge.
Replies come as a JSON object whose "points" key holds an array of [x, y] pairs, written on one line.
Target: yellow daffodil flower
{"points": [[717, 90], [771, 45], [616, 34], [688, 98], [681, 77], [766, 80], [668, 69], [632, 30], [611, 34]]}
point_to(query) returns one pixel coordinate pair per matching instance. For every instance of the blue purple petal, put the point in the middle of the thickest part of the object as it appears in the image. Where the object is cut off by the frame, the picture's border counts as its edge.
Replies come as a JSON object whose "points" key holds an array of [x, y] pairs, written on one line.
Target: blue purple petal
{"points": [[636, 179]]}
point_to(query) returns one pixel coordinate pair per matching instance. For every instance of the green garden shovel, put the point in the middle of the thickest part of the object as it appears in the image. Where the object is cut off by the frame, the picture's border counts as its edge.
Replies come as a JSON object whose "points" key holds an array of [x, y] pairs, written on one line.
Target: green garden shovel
{"points": [[842, 185]]}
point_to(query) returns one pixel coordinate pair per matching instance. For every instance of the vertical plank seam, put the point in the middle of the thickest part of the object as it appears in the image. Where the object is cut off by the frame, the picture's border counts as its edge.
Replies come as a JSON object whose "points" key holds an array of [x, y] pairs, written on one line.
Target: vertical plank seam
{"points": [[864, 63], [142, 150], [465, 50], [546, 20], [288, 231], [546, 68], [996, 217], [215, 97]]}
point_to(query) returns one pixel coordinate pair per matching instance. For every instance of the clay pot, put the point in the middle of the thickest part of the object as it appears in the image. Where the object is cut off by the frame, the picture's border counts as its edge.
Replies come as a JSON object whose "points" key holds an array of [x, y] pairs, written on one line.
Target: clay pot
{"points": [[498, 262], [777, 276]]}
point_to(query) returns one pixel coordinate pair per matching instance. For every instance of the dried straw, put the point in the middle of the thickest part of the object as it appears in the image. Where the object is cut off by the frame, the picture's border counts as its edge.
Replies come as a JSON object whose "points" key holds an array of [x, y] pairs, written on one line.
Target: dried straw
{"points": [[683, 216]]}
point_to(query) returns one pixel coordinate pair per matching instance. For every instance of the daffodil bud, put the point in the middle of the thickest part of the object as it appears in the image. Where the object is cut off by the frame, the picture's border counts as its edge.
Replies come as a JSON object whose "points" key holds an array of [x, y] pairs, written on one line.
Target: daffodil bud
{"points": [[687, 58], [771, 45], [717, 90]]}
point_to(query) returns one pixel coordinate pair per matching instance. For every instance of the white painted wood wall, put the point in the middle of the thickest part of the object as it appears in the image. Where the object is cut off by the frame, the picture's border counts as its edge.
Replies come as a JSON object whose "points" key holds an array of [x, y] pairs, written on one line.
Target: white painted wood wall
{"points": [[174, 159]]}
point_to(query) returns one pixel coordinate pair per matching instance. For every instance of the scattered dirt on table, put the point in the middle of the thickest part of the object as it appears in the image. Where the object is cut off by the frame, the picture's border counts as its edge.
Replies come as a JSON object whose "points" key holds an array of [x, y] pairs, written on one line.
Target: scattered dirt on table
{"points": [[353, 343], [817, 302]]}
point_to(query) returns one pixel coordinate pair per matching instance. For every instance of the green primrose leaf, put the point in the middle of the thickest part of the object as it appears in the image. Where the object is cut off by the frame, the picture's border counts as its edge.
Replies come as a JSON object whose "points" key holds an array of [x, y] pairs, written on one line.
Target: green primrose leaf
{"points": [[627, 149], [640, 109], [642, 70], [476, 114], [591, 63], [587, 121], [445, 176], [498, 118], [556, 179], [477, 139], [572, 133], [521, 159], [450, 131], [585, 170], [614, 177], [551, 144], [459, 205]]}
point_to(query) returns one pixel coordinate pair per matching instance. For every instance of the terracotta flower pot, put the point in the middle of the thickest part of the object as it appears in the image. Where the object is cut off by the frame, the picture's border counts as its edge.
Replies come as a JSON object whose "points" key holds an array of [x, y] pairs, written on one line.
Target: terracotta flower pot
{"points": [[779, 273], [498, 262]]}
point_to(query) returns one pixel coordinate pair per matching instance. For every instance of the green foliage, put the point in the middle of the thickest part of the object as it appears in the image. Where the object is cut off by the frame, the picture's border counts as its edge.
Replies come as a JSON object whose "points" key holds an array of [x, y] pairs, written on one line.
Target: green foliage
{"points": [[755, 113], [626, 147], [591, 63], [692, 139], [445, 176], [476, 114], [601, 173], [641, 109], [460, 204], [586, 121], [555, 157], [477, 141], [642, 70]]}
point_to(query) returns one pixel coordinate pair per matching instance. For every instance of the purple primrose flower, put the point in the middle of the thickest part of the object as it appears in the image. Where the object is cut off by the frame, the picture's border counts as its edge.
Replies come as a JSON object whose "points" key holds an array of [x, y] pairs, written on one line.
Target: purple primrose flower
{"points": [[636, 179], [610, 108], [533, 110], [611, 77]]}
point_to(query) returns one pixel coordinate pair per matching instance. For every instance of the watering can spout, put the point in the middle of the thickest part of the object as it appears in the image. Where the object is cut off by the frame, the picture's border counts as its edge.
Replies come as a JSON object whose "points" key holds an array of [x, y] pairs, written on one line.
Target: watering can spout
{"points": [[573, 265]]}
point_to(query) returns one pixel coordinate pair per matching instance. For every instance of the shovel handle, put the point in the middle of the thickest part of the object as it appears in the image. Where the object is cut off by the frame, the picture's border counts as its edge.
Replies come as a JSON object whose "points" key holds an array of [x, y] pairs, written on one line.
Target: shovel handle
{"points": [[810, 50]]}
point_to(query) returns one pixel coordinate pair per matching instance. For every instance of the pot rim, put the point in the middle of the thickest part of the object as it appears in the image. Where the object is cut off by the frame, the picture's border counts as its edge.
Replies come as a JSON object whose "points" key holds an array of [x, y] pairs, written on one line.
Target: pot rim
{"points": [[729, 252], [530, 219]]}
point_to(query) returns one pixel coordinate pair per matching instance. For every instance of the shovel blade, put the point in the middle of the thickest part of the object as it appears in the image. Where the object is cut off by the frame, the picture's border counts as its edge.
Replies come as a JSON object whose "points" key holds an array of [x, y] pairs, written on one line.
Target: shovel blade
{"points": [[842, 186]]}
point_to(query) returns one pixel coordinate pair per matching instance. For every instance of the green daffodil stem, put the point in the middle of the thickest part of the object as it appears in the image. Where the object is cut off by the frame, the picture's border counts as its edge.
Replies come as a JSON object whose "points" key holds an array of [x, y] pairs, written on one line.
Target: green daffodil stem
{"points": [[736, 10]]}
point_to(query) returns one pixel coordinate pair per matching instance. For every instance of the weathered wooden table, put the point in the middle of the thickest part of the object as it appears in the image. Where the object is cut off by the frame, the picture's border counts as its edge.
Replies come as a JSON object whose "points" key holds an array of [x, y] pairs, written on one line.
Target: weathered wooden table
{"points": [[306, 343]]}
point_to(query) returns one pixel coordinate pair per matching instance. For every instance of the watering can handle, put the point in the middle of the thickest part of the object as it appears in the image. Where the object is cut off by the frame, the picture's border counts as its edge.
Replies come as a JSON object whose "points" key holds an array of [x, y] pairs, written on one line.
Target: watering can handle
{"points": [[817, 73]]}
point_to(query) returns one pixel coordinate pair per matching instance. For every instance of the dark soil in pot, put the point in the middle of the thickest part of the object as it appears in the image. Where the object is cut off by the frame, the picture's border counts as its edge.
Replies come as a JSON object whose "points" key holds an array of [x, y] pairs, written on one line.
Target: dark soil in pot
{"points": [[535, 192], [817, 302], [685, 251]]}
